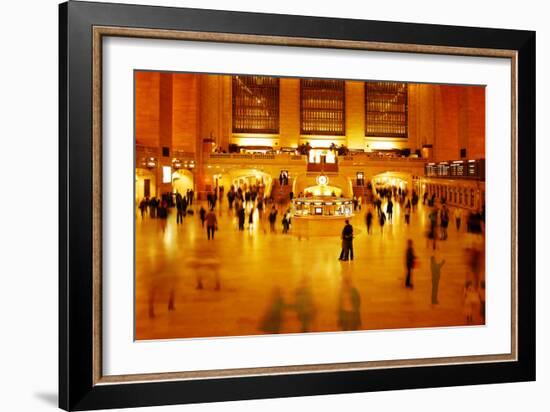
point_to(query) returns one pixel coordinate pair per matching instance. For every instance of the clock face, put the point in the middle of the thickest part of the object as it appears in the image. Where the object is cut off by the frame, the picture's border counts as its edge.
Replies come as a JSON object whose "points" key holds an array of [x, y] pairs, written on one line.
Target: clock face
{"points": [[322, 180]]}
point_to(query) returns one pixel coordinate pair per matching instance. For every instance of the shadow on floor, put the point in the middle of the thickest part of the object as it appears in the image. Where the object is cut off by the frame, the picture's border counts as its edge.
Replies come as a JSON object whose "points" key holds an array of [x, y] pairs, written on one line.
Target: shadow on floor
{"points": [[49, 398]]}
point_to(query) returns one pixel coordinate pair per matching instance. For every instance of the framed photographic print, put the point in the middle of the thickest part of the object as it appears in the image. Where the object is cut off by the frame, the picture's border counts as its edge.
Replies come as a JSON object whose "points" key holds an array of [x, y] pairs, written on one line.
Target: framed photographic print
{"points": [[256, 205]]}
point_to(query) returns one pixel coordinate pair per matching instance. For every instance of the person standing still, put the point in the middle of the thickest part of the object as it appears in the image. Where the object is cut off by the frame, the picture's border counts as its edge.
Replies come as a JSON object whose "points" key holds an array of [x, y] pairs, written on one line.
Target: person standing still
{"points": [[211, 223], [347, 242]]}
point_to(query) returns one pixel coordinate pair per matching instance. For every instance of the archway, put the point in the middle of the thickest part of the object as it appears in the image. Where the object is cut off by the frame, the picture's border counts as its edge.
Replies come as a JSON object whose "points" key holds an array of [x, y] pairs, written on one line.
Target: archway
{"points": [[146, 184], [399, 180], [245, 178], [182, 180]]}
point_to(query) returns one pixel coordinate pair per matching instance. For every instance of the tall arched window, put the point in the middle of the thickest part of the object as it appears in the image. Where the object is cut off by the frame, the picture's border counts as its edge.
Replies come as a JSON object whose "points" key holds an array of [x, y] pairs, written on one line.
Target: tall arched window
{"points": [[386, 109], [255, 104], [322, 107]]}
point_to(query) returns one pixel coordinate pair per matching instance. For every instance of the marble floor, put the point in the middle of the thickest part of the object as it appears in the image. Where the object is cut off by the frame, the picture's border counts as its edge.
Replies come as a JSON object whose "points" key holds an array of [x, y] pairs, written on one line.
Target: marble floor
{"points": [[256, 281]]}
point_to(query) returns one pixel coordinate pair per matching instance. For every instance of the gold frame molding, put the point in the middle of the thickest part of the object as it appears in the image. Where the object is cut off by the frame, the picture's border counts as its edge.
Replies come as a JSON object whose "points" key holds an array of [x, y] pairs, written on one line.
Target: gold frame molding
{"points": [[102, 31]]}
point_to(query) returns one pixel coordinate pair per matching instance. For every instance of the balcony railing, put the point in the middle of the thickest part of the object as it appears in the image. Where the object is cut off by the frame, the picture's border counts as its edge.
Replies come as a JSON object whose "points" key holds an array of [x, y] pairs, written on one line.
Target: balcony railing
{"points": [[256, 158], [365, 157]]}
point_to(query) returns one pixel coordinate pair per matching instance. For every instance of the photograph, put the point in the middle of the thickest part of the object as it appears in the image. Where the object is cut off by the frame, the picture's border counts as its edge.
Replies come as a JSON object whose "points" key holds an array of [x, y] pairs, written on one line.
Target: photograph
{"points": [[274, 206], [286, 205]]}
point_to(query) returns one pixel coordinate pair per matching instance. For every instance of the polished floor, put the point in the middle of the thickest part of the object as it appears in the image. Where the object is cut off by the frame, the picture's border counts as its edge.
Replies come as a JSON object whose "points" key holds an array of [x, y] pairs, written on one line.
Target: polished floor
{"points": [[256, 281]]}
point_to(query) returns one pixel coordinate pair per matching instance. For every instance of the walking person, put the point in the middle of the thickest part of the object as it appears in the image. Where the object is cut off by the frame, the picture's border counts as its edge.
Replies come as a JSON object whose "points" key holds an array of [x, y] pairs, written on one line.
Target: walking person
{"points": [[202, 214], [471, 302], [241, 215], [286, 221], [408, 211], [368, 219], [272, 320], [251, 218], [436, 275], [458, 218], [444, 218], [389, 210], [179, 208], [272, 219], [211, 223], [142, 207], [304, 305], [349, 315], [382, 221], [432, 232], [410, 260]]}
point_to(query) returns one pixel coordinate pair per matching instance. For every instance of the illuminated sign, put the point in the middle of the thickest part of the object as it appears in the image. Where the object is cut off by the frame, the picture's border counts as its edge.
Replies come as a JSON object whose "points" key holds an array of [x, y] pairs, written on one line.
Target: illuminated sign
{"points": [[166, 174]]}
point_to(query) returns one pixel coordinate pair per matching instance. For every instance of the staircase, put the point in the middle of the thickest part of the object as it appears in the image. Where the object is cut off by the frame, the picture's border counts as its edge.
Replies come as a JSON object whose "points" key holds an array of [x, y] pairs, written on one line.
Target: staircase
{"points": [[363, 192], [280, 194]]}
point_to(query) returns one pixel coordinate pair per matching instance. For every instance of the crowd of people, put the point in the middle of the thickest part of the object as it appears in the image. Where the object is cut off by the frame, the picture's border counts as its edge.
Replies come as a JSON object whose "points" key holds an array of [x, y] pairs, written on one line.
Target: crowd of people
{"points": [[243, 201], [439, 216]]}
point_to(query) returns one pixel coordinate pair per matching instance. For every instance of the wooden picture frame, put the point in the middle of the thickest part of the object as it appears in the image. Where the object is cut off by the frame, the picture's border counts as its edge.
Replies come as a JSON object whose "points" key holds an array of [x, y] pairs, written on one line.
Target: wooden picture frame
{"points": [[82, 27]]}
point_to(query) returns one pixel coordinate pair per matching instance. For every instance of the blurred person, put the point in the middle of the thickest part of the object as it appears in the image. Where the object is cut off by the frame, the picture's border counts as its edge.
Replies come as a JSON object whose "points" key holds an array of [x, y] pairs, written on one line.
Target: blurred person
{"points": [[272, 321], [211, 223], [474, 260], [241, 216], [444, 219], [436, 275], [272, 218], [414, 200], [408, 211], [207, 264], [153, 205], [304, 305], [142, 207], [286, 221], [349, 305], [389, 210], [251, 218], [382, 221], [179, 208], [410, 260], [368, 220], [432, 232], [231, 197], [202, 214], [458, 218], [471, 302], [163, 214]]}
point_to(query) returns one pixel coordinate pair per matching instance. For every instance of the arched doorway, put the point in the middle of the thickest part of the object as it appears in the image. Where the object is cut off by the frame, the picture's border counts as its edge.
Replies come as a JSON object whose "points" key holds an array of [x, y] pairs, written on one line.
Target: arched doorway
{"points": [[397, 180], [246, 178], [146, 184], [182, 180]]}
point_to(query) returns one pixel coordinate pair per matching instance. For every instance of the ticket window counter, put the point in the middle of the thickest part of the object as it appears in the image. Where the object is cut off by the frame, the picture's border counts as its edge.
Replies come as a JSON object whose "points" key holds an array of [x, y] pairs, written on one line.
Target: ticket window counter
{"points": [[323, 208]]}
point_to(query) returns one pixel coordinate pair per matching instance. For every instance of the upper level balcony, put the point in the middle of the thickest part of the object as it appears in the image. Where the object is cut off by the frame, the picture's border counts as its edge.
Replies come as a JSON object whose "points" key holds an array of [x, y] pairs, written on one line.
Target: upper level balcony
{"points": [[256, 158]]}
